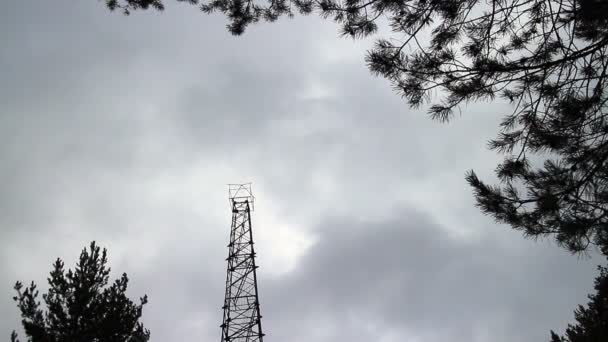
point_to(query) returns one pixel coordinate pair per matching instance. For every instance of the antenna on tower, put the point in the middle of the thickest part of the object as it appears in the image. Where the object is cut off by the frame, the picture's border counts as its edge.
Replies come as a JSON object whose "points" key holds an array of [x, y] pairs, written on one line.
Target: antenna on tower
{"points": [[242, 319]]}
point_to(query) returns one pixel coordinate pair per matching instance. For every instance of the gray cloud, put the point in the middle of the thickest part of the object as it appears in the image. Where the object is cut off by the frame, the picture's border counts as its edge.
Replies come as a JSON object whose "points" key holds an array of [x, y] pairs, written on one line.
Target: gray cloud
{"points": [[406, 274]]}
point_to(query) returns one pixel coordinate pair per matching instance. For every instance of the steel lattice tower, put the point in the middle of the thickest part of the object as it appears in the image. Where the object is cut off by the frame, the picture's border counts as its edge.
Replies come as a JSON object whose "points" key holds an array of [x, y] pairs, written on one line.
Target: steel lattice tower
{"points": [[242, 319]]}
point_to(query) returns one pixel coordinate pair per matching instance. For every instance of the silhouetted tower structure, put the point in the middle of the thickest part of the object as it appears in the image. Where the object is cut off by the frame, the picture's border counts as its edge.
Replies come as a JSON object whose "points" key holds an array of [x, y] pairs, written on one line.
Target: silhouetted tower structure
{"points": [[242, 319]]}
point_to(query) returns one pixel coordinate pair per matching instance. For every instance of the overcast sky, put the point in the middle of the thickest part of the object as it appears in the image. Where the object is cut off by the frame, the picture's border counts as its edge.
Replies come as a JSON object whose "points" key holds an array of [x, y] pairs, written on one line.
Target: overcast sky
{"points": [[126, 130]]}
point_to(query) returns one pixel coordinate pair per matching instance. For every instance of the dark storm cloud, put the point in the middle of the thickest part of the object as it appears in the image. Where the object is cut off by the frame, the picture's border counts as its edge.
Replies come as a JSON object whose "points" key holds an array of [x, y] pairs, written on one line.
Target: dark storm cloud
{"points": [[406, 274]]}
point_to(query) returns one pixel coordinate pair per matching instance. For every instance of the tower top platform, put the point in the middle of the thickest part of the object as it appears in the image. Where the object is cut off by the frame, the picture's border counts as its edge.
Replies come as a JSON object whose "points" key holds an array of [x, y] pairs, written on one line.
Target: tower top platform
{"points": [[240, 193]]}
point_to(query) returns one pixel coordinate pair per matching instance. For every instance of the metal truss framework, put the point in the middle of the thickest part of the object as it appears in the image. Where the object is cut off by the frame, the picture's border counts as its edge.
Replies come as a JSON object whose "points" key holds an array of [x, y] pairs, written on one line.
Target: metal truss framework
{"points": [[242, 319]]}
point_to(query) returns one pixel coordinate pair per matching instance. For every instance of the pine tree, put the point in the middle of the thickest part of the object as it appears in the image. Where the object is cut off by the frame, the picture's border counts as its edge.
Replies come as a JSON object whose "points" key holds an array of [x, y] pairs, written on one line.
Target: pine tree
{"points": [[127, 6], [548, 58], [591, 321], [80, 306]]}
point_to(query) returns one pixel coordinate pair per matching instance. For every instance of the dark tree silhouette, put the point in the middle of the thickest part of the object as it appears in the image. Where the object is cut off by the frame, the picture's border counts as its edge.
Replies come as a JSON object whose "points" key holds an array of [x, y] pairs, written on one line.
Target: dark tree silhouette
{"points": [[81, 306], [546, 57], [126, 6], [591, 321]]}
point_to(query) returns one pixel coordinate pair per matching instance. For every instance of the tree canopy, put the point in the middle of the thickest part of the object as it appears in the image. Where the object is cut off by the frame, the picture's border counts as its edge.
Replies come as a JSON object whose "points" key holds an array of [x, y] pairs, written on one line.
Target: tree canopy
{"points": [[545, 57], [80, 306], [591, 321]]}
